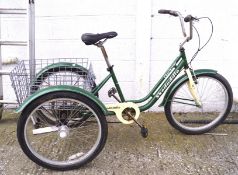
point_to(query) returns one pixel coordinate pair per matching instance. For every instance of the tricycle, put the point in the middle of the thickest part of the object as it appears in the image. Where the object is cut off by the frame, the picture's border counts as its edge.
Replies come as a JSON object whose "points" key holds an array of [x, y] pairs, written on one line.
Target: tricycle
{"points": [[64, 127]]}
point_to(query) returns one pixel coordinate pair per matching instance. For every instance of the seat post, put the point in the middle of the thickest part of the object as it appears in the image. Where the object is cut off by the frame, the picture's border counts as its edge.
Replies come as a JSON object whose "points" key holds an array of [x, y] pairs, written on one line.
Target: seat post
{"points": [[100, 45]]}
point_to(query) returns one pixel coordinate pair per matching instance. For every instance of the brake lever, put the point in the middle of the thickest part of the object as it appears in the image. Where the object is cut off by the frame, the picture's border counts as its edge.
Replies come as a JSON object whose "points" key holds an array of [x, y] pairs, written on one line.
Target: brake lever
{"points": [[190, 18]]}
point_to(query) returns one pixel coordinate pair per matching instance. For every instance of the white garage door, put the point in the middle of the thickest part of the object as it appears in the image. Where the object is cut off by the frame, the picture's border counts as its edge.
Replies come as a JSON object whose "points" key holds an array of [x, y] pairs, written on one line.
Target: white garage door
{"points": [[146, 43]]}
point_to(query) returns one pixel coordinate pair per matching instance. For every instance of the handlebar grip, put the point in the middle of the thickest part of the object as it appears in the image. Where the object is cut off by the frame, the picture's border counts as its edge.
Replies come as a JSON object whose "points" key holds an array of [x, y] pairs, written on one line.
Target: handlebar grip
{"points": [[189, 18], [170, 12]]}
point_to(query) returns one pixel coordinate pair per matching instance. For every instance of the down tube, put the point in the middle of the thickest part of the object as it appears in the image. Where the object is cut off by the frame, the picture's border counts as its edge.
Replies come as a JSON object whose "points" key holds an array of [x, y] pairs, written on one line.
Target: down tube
{"points": [[164, 86]]}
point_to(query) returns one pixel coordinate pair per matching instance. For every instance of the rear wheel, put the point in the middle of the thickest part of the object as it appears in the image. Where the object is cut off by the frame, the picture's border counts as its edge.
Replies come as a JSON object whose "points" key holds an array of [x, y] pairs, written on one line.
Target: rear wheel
{"points": [[77, 136], [216, 97]]}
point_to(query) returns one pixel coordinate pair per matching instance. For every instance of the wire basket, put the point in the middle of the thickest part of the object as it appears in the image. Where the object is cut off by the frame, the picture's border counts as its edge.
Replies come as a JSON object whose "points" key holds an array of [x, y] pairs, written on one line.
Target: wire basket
{"points": [[51, 72]]}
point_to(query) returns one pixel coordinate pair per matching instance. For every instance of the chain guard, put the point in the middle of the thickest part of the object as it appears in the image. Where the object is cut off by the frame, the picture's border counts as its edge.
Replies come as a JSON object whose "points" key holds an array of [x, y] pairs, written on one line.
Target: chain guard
{"points": [[120, 108]]}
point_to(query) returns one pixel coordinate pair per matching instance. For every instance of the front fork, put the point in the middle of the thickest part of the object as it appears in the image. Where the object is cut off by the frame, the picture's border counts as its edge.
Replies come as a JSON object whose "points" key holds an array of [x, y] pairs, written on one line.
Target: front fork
{"points": [[193, 88]]}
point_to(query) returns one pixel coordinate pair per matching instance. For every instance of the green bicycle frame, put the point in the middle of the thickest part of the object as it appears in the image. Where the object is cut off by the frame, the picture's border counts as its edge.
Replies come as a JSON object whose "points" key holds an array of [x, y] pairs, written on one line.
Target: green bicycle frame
{"points": [[160, 87]]}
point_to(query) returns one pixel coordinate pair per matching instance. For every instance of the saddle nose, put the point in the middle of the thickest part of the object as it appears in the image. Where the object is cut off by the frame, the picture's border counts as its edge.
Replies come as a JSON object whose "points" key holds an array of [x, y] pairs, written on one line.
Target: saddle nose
{"points": [[90, 38]]}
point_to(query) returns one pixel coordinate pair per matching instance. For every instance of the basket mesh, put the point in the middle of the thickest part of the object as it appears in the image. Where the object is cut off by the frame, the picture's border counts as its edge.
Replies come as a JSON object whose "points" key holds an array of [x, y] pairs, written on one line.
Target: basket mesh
{"points": [[51, 72]]}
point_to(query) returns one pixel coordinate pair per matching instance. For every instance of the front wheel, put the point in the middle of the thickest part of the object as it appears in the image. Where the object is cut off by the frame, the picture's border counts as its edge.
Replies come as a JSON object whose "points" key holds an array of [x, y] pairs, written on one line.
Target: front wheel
{"points": [[216, 97], [76, 137]]}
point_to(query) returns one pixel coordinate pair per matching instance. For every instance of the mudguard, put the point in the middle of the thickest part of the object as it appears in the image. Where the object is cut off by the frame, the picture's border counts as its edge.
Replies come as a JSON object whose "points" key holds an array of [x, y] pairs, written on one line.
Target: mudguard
{"points": [[60, 66], [62, 88], [182, 78], [54, 68]]}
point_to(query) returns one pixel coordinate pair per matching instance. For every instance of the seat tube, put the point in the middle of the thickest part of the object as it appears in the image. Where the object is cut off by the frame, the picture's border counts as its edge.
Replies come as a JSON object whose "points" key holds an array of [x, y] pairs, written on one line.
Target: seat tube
{"points": [[114, 78], [110, 69], [105, 55]]}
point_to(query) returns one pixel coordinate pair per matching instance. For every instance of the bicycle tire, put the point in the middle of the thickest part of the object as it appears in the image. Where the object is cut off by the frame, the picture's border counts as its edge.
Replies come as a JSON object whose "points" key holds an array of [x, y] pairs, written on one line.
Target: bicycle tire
{"points": [[1, 111], [187, 108], [48, 141]]}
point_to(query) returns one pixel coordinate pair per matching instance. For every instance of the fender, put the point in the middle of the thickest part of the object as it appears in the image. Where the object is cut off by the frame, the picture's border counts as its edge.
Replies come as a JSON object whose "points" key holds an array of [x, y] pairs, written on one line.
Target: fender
{"points": [[54, 68], [181, 79], [60, 66], [63, 88]]}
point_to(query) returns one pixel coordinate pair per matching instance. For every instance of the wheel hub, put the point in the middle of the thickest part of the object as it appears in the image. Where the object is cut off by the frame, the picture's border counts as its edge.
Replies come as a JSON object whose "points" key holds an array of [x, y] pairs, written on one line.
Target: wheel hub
{"points": [[63, 131]]}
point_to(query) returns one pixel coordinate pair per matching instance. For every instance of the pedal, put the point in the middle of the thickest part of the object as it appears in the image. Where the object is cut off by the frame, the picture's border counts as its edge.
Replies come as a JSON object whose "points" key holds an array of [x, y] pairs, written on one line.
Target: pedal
{"points": [[144, 131], [112, 92]]}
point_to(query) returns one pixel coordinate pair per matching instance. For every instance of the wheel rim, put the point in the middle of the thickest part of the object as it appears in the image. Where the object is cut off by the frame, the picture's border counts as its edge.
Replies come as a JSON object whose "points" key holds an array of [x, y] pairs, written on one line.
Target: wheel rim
{"points": [[72, 141], [214, 98]]}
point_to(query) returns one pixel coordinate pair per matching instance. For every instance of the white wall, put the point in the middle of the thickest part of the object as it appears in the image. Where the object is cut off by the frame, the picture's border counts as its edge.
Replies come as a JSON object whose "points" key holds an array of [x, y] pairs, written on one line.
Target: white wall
{"points": [[219, 54], [146, 44]]}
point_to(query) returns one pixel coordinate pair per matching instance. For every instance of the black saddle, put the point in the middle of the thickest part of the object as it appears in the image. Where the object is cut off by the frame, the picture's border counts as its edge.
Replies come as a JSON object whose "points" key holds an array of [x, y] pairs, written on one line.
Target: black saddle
{"points": [[90, 38]]}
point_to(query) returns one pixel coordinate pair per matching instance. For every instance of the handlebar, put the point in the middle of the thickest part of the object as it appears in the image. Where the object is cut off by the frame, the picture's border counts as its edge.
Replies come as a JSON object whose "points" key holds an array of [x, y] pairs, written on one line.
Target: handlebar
{"points": [[188, 18], [170, 12]]}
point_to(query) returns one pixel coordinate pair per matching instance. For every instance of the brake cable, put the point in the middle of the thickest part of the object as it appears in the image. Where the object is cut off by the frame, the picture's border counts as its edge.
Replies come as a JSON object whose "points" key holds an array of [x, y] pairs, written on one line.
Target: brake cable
{"points": [[199, 38]]}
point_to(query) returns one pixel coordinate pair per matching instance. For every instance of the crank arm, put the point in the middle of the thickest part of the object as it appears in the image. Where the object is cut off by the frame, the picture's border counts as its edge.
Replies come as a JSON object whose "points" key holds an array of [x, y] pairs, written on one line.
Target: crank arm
{"points": [[45, 130]]}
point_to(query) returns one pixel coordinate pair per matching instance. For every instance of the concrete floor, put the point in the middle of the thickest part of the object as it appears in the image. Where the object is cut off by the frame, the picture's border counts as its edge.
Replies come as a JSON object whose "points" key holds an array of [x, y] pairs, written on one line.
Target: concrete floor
{"points": [[165, 151]]}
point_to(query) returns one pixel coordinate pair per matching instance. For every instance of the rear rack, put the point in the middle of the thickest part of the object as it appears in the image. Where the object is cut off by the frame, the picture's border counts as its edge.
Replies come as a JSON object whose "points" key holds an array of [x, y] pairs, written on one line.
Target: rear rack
{"points": [[51, 72]]}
